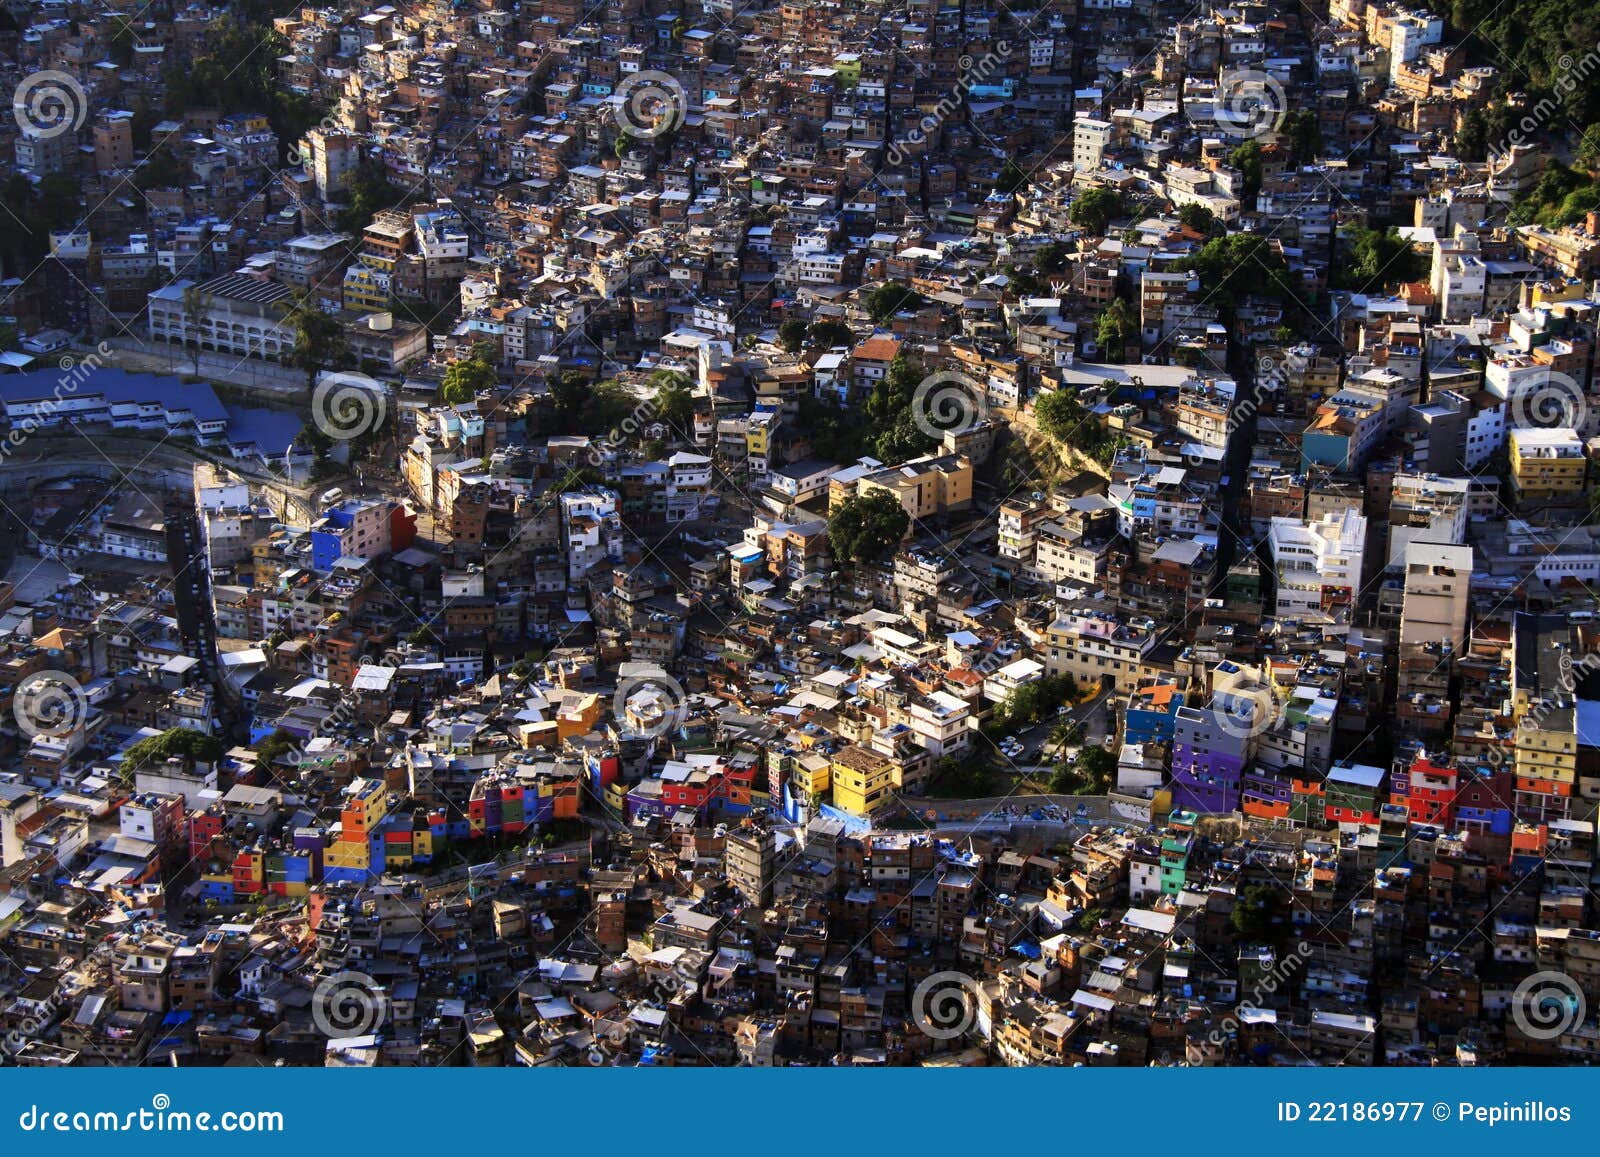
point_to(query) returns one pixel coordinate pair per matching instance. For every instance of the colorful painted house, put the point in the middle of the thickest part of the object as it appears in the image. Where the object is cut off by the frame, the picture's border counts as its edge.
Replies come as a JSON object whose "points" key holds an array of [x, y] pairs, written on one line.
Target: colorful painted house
{"points": [[1267, 793], [1427, 790], [1208, 761], [1353, 793], [1151, 712]]}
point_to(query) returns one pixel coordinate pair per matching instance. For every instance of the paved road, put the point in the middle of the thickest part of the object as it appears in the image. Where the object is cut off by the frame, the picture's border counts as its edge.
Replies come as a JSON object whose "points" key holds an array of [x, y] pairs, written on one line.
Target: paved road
{"points": [[1063, 812], [279, 382], [191, 584], [1037, 751], [127, 451]]}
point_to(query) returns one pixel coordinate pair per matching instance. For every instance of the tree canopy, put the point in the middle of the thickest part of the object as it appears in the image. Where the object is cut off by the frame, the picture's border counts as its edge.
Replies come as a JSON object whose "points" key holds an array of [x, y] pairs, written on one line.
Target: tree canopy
{"points": [[829, 332], [1561, 196], [236, 71], [1065, 419], [319, 341], [792, 335], [1239, 264], [866, 527], [1375, 258], [466, 378], [1115, 330], [893, 430], [1259, 914], [1095, 208], [174, 741], [886, 300], [1247, 159]]}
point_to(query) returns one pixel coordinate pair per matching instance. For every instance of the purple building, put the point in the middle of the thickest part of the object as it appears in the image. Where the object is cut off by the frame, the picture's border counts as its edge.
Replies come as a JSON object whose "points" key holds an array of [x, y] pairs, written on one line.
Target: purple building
{"points": [[1207, 762]]}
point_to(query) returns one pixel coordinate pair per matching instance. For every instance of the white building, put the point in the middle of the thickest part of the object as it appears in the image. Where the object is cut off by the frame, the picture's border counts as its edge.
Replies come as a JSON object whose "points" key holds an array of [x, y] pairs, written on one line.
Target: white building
{"points": [[237, 314], [591, 528], [1318, 564]]}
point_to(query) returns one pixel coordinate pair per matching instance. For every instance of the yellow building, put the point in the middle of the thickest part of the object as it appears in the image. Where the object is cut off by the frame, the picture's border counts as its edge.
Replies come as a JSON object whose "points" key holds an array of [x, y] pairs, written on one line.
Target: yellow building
{"points": [[1546, 464], [346, 853], [579, 718], [862, 780], [365, 289], [808, 774], [758, 437], [366, 802], [1546, 745], [927, 486]]}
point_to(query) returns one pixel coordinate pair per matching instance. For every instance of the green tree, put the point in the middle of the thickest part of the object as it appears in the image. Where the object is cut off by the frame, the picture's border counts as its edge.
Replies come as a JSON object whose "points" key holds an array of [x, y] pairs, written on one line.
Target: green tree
{"points": [[368, 192], [610, 402], [1095, 208], [1304, 135], [174, 741], [970, 777], [236, 71], [1115, 330], [1472, 135], [830, 332], [467, 377], [1097, 767], [673, 403], [569, 390], [1588, 154], [792, 335], [1372, 259], [275, 746], [836, 434], [196, 302], [1011, 178], [893, 429], [1247, 159], [1065, 419], [882, 302], [1196, 217], [319, 341], [1239, 264], [1050, 258], [1259, 914], [866, 527], [1533, 43]]}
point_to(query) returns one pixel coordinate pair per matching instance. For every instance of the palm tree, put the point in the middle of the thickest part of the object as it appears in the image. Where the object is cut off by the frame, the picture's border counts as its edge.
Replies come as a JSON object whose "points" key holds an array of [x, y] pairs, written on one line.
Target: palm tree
{"points": [[318, 338], [196, 303]]}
